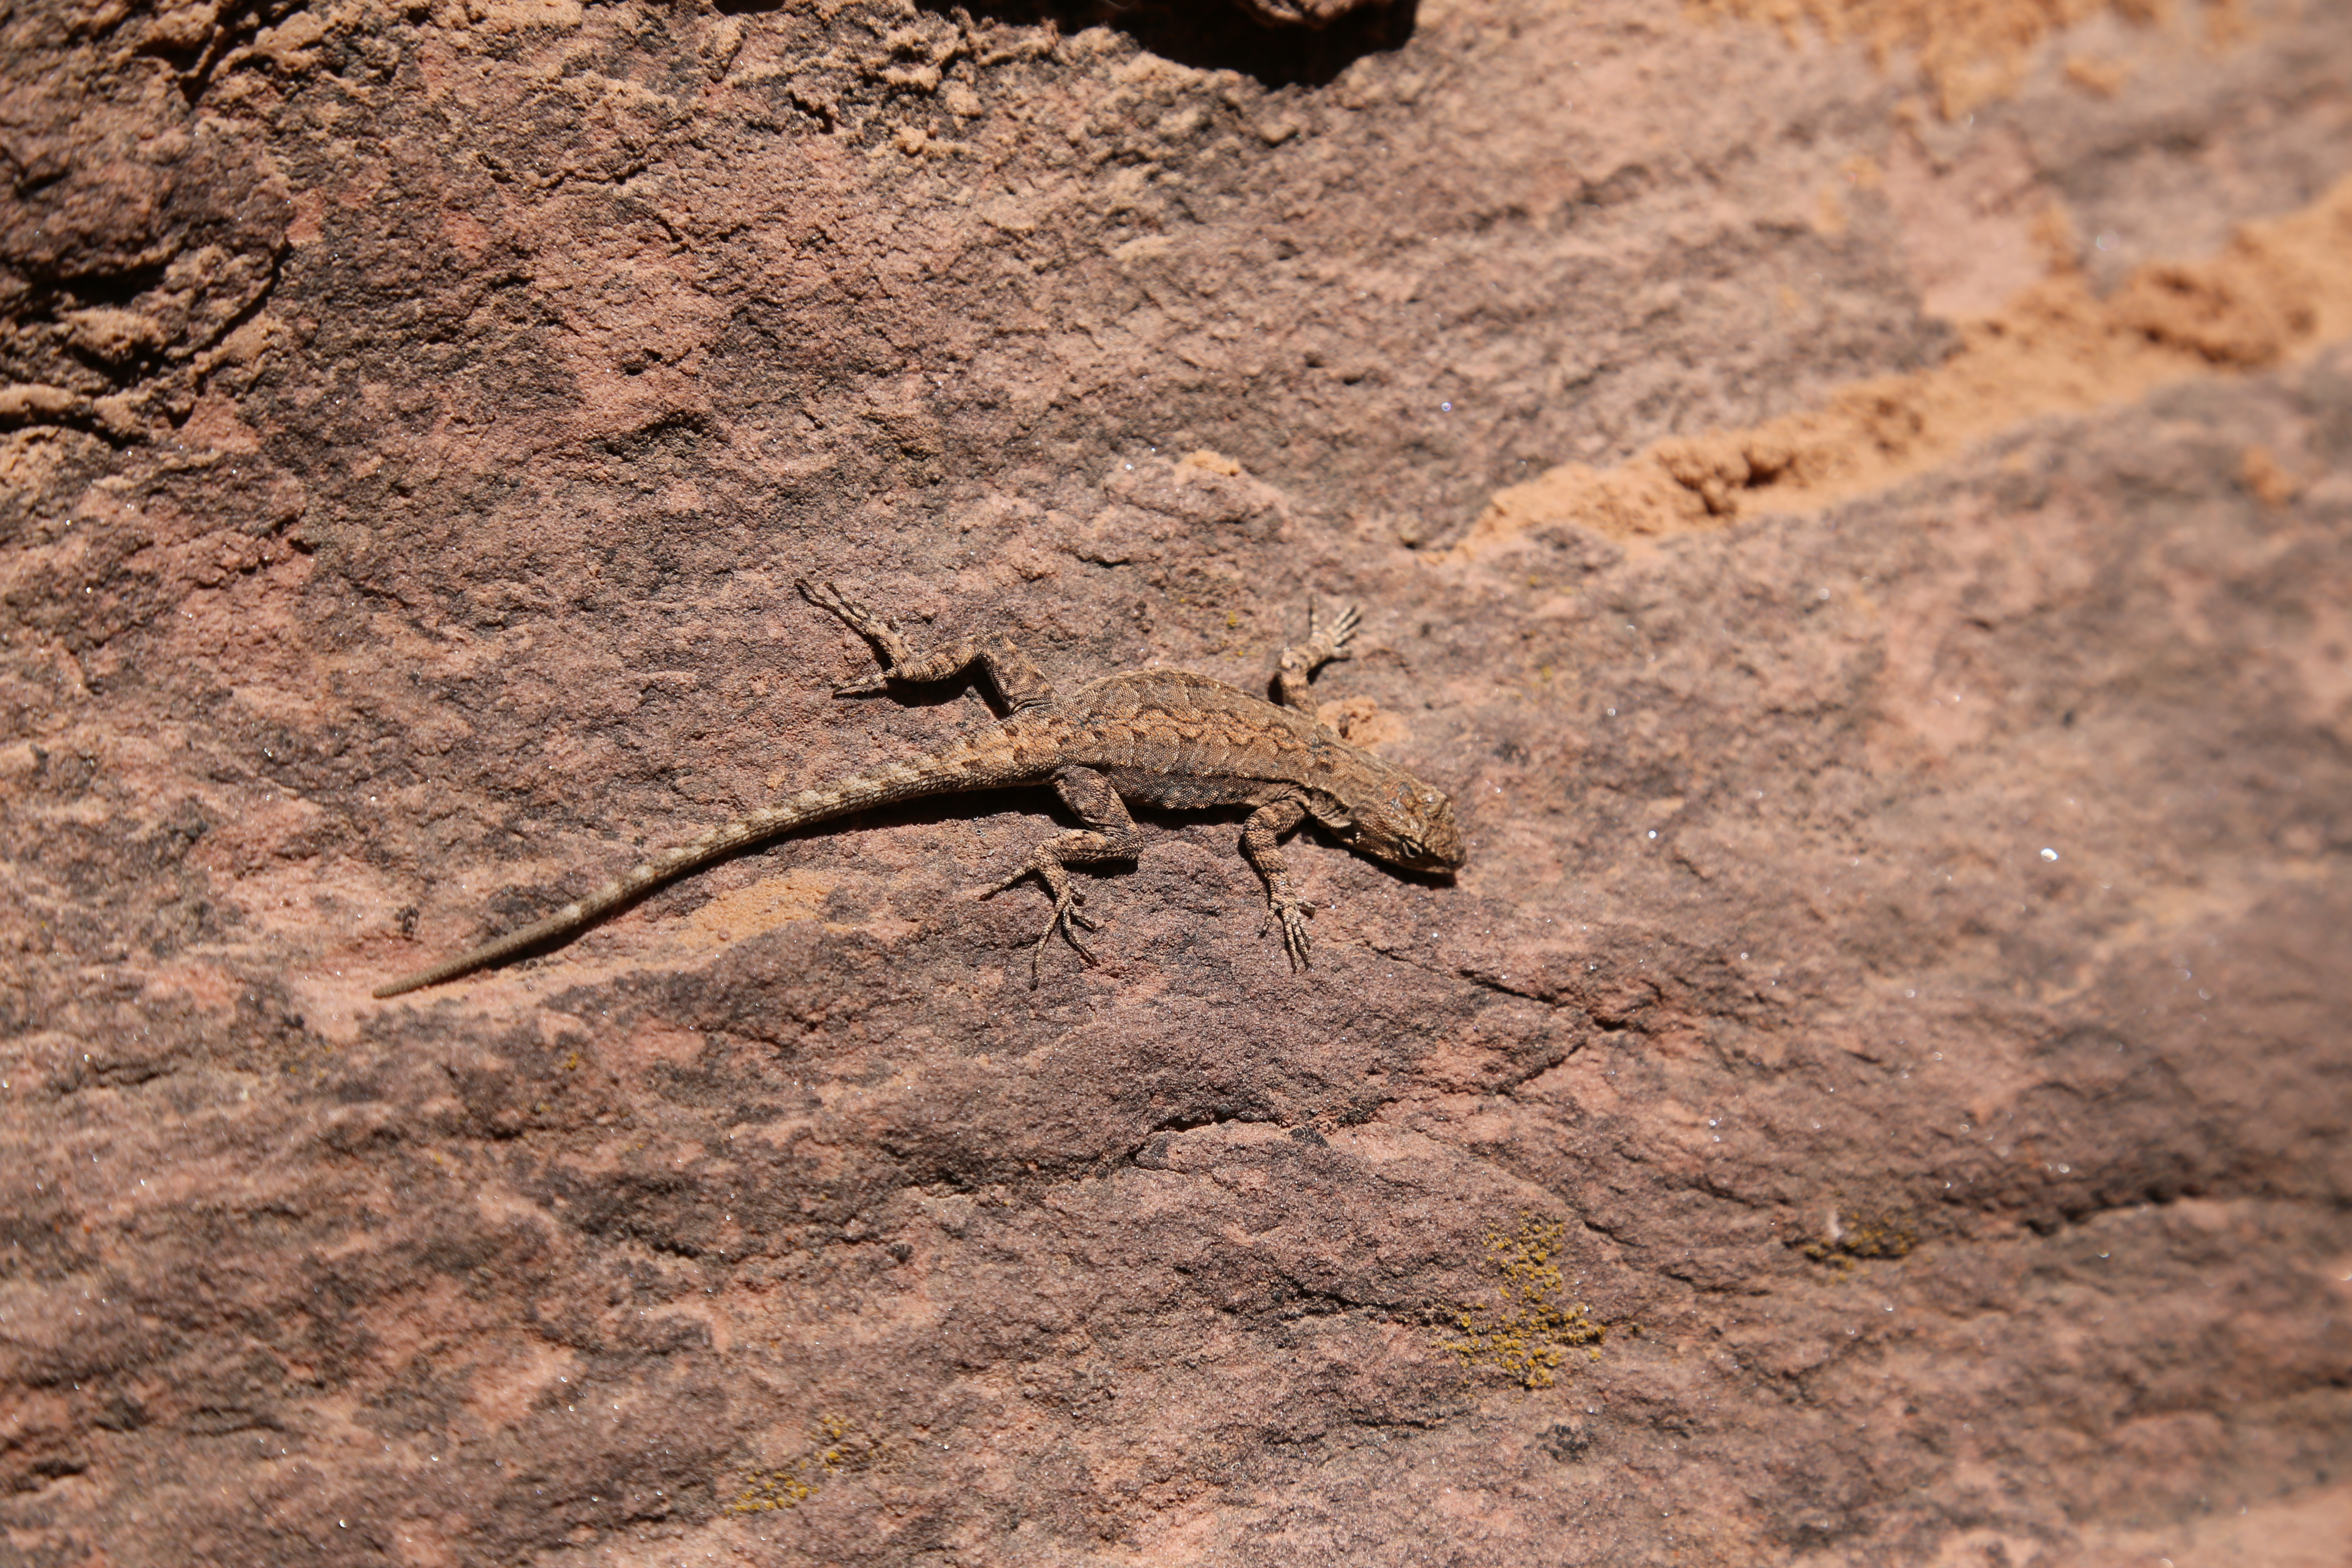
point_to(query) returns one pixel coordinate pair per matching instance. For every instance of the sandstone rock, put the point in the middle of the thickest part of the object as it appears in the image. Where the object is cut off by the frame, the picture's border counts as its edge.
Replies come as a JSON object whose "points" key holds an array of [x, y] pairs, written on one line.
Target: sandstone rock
{"points": [[1876, 1092]]}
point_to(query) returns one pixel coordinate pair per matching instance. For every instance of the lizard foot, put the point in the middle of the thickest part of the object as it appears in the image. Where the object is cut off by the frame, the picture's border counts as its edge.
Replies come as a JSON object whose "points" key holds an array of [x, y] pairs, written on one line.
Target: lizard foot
{"points": [[1326, 640], [828, 597], [862, 620], [1330, 643], [1292, 912], [1067, 916]]}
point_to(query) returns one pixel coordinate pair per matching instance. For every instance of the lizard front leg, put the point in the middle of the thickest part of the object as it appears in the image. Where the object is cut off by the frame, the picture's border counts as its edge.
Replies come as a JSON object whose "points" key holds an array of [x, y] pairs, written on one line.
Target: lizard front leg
{"points": [[1016, 680], [1108, 835], [1300, 660], [1262, 846]]}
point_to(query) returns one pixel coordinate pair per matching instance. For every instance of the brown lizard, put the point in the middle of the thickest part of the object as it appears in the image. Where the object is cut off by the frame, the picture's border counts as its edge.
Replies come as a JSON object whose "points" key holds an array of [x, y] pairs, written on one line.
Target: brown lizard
{"points": [[1161, 737]]}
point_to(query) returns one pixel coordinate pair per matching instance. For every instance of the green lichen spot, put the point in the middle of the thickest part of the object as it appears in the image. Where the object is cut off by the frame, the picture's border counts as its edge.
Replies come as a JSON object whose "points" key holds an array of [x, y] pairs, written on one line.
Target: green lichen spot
{"points": [[1531, 1331]]}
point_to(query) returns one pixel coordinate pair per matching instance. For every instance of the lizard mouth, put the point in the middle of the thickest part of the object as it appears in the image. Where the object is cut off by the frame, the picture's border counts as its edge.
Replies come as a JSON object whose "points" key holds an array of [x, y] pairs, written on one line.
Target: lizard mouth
{"points": [[1416, 856], [1445, 854]]}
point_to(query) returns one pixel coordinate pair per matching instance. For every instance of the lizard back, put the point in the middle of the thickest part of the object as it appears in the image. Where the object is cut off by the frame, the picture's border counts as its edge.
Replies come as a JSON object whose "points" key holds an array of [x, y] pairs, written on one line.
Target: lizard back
{"points": [[1179, 739]]}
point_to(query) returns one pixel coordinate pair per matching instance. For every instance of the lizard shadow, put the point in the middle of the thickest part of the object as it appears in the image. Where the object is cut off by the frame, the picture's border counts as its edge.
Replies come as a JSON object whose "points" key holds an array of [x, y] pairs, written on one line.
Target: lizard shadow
{"points": [[1219, 35], [1209, 34], [1170, 819], [1173, 819], [1038, 801], [1026, 800], [524, 904]]}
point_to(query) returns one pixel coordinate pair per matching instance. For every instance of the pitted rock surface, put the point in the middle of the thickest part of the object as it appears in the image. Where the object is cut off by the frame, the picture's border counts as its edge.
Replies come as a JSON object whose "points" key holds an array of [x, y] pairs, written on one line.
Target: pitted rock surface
{"points": [[1875, 1093]]}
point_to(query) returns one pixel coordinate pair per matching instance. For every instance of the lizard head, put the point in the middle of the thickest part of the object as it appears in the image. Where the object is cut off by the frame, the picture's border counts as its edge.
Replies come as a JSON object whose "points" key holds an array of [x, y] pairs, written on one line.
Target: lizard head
{"points": [[1401, 821]]}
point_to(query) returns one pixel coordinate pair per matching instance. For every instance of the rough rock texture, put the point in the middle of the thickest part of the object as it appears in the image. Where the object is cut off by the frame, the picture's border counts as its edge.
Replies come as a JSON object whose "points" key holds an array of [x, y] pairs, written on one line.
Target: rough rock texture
{"points": [[1877, 1095]]}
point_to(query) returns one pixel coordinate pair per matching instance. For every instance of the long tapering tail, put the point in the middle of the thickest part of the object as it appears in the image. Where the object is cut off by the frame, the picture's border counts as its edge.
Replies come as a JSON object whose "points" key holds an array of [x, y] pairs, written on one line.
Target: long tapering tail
{"points": [[944, 773]]}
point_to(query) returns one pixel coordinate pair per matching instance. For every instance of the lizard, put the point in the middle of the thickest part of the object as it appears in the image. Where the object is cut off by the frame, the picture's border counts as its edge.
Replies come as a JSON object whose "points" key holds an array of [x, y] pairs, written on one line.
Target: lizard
{"points": [[1159, 737]]}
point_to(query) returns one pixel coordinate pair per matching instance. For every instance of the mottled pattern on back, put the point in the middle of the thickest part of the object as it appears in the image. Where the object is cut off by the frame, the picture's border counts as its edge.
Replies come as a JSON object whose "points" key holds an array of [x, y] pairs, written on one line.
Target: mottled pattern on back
{"points": [[1172, 738]]}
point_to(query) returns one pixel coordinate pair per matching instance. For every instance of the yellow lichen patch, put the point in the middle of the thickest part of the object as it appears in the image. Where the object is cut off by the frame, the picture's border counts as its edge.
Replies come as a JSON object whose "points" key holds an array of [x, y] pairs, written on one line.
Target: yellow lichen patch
{"points": [[1863, 1233], [789, 1486], [765, 1490], [1532, 1330]]}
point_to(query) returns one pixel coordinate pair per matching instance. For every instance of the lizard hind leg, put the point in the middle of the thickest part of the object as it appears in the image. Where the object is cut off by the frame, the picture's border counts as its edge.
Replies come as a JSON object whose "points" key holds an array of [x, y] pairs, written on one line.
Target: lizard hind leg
{"points": [[1327, 641], [1016, 680], [894, 650], [1109, 835], [1046, 861]]}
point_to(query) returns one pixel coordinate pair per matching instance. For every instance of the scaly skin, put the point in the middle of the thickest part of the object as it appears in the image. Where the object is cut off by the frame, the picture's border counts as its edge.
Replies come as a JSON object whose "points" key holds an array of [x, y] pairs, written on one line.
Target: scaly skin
{"points": [[1159, 737]]}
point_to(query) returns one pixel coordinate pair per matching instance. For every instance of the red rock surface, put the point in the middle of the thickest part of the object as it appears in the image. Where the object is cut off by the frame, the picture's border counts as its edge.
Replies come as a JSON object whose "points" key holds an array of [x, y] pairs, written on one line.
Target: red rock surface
{"points": [[1899, 990]]}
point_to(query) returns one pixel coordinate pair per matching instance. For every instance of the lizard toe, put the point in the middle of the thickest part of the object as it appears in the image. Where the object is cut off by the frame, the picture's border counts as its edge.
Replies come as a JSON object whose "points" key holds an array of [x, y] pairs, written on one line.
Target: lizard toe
{"points": [[1066, 919], [1296, 944], [1296, 941], [1025, 869], [828, 596], [824, 595]]}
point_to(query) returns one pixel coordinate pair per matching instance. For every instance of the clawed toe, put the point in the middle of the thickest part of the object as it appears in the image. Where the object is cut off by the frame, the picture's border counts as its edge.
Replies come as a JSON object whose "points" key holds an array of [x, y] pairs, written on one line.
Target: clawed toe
{"points": [[828, 597], [1332, 641], [1067, 918], [1062, 922], [824, 595], [1296, 941]]}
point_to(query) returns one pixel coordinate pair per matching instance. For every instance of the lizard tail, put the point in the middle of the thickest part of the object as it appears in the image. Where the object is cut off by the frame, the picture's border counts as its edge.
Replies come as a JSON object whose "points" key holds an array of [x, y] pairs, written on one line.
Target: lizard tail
{"points": [[948, 772]]}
